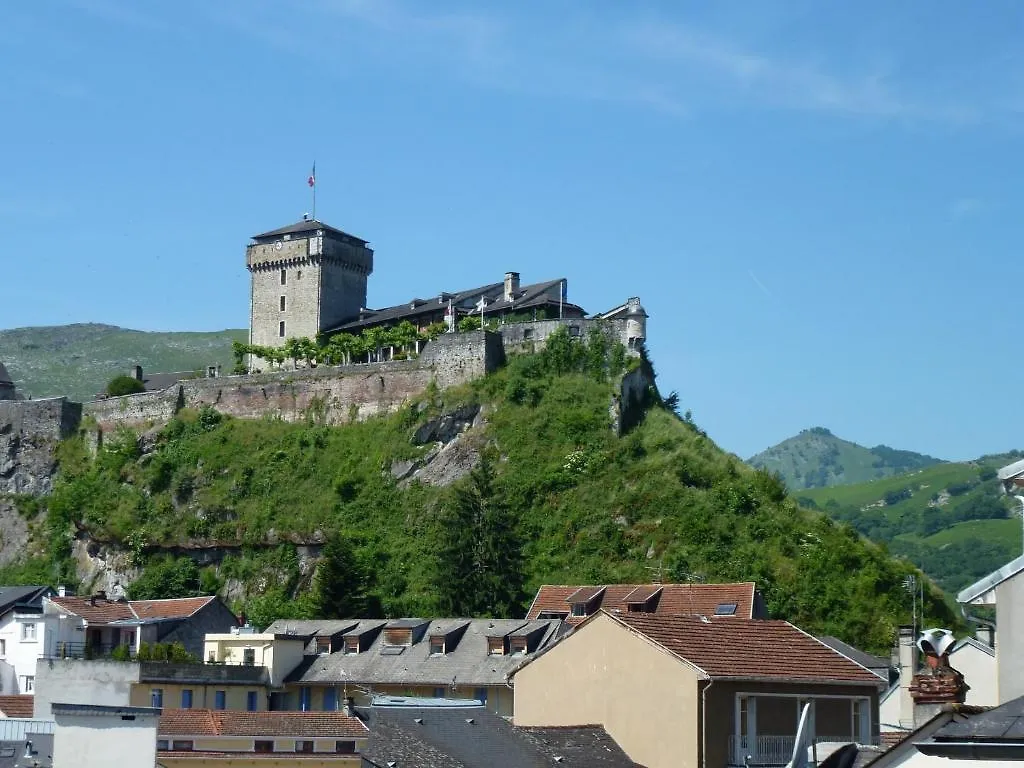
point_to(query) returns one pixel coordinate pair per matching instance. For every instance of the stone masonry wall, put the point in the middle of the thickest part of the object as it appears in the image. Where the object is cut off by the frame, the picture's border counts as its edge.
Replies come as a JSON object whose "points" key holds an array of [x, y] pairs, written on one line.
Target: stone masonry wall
{"points": [[29, 431], [331, 395], [531, 336]]}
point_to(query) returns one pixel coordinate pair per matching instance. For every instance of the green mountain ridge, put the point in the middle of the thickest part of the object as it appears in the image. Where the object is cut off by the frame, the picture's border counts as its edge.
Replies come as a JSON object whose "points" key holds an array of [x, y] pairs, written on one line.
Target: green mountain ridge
{"points": [[816, 458], [213, 503], [78, 360], [950, 519]]}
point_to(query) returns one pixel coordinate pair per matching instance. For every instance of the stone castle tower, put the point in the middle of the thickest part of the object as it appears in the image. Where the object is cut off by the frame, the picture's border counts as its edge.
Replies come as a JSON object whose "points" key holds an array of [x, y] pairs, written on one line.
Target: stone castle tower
{"points": [[7, 391], [306, 278]]}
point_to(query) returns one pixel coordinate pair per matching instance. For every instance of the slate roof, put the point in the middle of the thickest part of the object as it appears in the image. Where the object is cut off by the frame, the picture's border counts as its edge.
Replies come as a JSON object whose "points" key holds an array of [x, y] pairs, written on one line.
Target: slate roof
{"points": [[21, 705], [297, 725], [103, 611], [472, 737], [1004, 723], [527, 297], [758, 649], [983, 590], [299, 227], [877, 664], [668, 599], [467, 663], [23, 598], [156, 382]]}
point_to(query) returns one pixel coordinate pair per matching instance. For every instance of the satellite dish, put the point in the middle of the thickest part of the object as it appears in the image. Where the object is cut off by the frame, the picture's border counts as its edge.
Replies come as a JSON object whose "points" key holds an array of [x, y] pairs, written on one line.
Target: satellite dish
{"points": [[936, 642]]}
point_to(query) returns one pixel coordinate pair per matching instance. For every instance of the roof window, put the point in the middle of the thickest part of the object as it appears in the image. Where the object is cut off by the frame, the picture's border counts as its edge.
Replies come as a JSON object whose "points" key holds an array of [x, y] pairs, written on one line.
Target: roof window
{"points": [[437, 645], [725, 609]]}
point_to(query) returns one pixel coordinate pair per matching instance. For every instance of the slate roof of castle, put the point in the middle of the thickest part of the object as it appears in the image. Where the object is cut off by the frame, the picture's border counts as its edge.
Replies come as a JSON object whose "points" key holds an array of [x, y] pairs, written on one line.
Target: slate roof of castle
{"points": [[527, 297], [472, 737], [465, 661], [300, 227], [302, 725], [665, 599], [103, 611], [748, 649]]}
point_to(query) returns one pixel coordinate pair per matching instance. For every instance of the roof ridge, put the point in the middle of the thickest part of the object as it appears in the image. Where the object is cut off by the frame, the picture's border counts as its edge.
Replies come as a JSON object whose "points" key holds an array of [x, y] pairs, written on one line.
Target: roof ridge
{"points": [[826, 645]]}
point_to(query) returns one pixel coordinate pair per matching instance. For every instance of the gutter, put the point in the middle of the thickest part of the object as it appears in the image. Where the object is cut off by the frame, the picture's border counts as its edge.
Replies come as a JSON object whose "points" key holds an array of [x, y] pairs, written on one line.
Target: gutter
{"points": [[977, 750], [704, 723]]}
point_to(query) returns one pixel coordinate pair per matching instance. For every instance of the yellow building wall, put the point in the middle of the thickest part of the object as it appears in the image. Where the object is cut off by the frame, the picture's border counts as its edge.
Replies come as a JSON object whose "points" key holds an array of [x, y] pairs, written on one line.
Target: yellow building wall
{"points": [[203, 696], [278, 655], [604, 674]]}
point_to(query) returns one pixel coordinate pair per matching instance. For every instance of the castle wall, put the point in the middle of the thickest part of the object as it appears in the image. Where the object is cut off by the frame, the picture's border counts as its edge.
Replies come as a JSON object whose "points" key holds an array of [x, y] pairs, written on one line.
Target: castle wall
{"points": [[345, 269], [329, 394], [301, 292], [29, 431], [531, 336]]}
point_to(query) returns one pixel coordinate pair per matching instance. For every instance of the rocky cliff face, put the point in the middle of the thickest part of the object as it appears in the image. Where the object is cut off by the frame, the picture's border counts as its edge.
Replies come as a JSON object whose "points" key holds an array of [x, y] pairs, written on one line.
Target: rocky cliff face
{"points": [[27, 463]]}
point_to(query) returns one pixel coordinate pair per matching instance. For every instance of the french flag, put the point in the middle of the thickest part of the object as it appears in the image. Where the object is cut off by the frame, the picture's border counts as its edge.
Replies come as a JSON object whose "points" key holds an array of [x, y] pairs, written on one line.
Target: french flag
{"points": [[312, 177]]}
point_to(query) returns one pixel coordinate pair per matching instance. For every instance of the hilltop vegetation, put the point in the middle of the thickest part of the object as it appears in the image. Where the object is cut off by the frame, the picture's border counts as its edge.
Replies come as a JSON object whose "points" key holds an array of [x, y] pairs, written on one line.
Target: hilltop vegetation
{"points": [[950, 519], [584, 505], [79, 360], [818, 459]]}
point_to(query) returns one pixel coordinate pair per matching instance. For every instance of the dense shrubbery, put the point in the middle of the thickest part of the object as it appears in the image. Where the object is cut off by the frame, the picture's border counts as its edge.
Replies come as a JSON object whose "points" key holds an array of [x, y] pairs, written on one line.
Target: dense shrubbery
{"points": [[124, 385], [586, 505]]}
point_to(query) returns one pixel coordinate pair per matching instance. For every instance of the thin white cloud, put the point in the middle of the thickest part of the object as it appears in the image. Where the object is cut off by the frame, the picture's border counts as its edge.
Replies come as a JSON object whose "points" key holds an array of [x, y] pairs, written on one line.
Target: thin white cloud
{"points": [[759, 284]]}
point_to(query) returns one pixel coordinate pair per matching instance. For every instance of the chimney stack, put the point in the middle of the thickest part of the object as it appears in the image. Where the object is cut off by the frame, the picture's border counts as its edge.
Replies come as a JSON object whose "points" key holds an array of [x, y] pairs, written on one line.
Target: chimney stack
{"points": [[907, 662], [511, 285], [938, 685], [62, 591], [136, 372], [346, 706]]}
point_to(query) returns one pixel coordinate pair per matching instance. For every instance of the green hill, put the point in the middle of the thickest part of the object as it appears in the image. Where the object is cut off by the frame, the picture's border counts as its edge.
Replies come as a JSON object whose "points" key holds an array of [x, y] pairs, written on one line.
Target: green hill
{"points": [[949, 519], [817, 459], [78, 360], [238, 506]]}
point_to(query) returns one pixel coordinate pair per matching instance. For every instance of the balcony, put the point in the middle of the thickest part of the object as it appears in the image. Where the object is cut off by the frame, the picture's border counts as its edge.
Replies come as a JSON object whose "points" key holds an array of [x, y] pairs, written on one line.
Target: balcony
{"points": [[91, 651], [774, 750]]}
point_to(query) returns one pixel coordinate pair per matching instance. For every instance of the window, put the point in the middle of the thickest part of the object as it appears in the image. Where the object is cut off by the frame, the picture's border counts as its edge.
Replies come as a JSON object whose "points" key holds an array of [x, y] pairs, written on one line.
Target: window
{"points": [[249, 656], [305, 698], [480, 694], [330, 700], [181, 746], [439, 693], [352, 645], [162, 744], [186, 699], [437, 645], [303, 746], [212, 658], [219, 700], [496, 646], [725, 609], [579, 609], [282, 303], [284, 277], [517, 645], [574, 331], [280, 329], [156, 697], [345, 747], [323, 645], [3, 647], [251, 701], [28, 684], [528, 333], [263, 746], [28, 631]]}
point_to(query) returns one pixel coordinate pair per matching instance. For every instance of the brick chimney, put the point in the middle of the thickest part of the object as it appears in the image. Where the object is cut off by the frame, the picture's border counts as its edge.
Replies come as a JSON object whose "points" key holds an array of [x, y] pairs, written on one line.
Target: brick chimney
{"points": [[938, 684], [511, 285]]}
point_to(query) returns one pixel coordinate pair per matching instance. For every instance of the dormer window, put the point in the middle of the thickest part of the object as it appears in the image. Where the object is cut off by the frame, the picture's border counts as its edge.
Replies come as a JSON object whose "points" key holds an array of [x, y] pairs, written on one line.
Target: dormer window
{"points": [[517, 645], [351, 645], [496, 646], [579, 609], [397, 637], [436, 646], [642, 599], [323, 645]]}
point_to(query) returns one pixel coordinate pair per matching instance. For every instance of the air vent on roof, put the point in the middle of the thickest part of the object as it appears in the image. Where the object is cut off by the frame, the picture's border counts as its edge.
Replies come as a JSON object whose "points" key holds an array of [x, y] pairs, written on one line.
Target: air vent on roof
{"points": [[725, 609]]}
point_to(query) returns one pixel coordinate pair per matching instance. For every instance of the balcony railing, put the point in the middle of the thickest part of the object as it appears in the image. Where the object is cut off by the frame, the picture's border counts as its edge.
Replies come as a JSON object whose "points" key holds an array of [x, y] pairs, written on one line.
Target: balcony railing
{"points": [[770, 750]]}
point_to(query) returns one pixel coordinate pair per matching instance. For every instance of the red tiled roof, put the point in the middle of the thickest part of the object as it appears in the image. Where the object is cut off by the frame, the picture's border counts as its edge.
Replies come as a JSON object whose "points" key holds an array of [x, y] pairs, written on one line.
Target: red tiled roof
{"points": [[738, 648], [298, 725], [180, 608], [17, 706], [103, 611], [890, 739], [98, 612], [672, 599]]}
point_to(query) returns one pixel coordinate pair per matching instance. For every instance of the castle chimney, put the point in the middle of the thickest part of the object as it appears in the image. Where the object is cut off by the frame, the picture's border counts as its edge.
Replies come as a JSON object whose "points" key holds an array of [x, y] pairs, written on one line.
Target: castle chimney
{"points": [[511, 285], [937, 685], [136, 372], [62, 591]]}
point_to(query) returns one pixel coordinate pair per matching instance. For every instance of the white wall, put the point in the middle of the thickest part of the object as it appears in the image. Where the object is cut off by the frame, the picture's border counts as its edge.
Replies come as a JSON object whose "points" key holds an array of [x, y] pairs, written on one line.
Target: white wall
{"points": [[107, 739], [1010, 638], [78, 681], [979, 671], [21, 647]]}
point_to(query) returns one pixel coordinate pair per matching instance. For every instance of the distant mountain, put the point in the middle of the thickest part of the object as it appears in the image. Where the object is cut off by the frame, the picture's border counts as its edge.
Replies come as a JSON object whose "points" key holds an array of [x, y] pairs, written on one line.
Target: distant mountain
{"points": [[78, 360], [951, 519], [818, 459]]}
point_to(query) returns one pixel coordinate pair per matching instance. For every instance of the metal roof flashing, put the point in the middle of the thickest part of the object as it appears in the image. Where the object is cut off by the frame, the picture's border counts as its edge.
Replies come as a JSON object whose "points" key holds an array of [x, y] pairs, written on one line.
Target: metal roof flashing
{"points": [[982, 592]]}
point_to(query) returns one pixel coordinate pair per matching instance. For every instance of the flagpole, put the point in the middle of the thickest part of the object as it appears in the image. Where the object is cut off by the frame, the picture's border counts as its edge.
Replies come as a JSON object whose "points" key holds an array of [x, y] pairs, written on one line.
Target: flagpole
{"points": [[314, 190]]}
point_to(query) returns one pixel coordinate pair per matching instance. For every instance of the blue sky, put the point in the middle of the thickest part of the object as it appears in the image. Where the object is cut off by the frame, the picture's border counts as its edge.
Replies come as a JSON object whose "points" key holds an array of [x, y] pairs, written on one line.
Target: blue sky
{"points": [[817, 203]]}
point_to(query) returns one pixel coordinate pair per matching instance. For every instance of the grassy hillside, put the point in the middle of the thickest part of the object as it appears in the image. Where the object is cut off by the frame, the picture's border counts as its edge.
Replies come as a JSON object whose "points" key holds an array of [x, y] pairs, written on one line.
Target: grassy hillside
{"points": [[949, 519], [589, 506], [817, 459], [78, 360]]}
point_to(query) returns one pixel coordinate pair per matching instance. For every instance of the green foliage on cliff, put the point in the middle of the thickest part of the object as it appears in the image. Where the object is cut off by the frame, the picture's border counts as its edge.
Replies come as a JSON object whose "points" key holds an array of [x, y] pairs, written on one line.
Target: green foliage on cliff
{"points": [[124, 385], [587, 505]]}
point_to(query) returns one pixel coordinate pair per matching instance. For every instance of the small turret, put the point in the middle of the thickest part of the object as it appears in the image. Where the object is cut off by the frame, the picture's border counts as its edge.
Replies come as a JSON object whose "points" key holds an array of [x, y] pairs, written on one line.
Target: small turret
{"points": [[636, 323]]}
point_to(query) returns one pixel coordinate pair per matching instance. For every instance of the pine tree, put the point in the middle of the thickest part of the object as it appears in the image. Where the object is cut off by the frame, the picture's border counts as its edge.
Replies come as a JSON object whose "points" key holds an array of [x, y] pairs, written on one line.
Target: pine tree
{"points": [[340, 584], [480, 554]]}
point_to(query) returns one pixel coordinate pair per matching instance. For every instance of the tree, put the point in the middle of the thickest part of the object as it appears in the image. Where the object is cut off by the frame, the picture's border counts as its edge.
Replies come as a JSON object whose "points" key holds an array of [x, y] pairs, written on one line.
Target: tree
{"points": [[124, 385], [434, 330], [166, 577], [294, 349], [405, 335], [339, 589], [469, 323], [480, 553]]}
